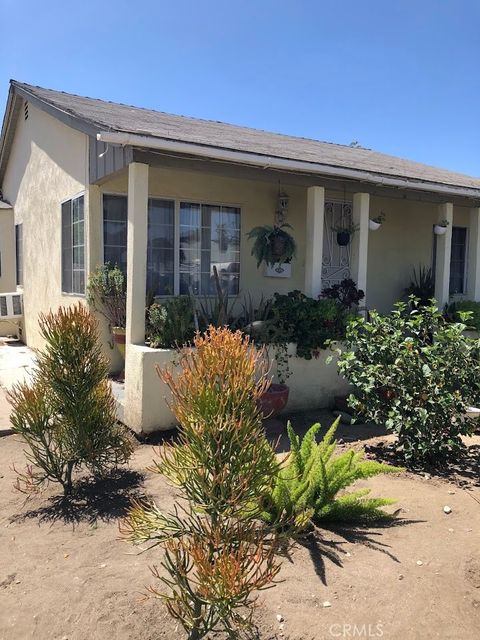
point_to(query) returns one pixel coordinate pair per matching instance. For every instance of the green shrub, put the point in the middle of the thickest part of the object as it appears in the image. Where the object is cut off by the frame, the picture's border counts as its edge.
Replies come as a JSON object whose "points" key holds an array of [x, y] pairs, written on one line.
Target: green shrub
{"points": [[308, 483], [416, 374], [171, 324], [457, 310], [308, 322], [66, 415], [217, 552], [106, 293]]}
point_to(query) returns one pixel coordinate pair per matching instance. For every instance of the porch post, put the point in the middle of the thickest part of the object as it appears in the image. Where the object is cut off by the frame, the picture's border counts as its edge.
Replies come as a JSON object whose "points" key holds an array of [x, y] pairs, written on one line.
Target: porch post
{"points": [[137, 252], [359, 255], [442, 262], [314, 241], [473, 277]]}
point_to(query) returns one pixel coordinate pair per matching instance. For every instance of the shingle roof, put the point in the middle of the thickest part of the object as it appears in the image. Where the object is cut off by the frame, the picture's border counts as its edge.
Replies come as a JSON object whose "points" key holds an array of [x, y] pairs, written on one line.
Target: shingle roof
{"points": [[127, 119]]}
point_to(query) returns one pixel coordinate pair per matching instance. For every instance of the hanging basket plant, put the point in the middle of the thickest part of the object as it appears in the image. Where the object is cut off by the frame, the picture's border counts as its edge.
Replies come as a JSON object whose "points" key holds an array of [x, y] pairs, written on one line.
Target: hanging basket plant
{"points": [[345, 232], [374, 224], [272, 244], [441, 228]]}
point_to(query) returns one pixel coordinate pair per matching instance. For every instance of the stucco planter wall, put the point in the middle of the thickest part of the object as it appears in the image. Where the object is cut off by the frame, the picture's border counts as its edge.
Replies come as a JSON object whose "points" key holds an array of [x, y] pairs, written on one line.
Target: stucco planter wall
{"points": [[313, 384]]}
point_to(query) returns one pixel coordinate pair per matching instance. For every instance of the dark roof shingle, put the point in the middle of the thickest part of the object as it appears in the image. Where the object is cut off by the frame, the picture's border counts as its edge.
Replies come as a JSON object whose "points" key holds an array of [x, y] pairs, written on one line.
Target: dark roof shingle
{"points": [[135, 120]]}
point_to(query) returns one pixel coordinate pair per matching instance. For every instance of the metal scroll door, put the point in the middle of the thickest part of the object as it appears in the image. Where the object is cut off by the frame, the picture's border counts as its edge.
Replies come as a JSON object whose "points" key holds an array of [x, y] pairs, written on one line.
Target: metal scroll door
{"points": [[336, 259]]}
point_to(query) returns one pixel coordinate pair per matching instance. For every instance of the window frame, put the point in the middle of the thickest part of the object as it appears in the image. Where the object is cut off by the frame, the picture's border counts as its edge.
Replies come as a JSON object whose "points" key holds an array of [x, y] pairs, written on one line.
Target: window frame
{"points": [[19, 263], [72, 293], [177, 200], [465, 266], [453, 296]]}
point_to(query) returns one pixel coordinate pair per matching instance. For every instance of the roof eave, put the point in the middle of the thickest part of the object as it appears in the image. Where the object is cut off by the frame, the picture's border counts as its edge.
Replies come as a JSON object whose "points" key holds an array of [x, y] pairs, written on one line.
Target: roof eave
{"points": [[285, 164]]}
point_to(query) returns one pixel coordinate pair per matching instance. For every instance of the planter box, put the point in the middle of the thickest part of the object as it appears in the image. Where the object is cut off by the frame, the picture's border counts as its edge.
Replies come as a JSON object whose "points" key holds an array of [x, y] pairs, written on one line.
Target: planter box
{"points": [[313, 385]]}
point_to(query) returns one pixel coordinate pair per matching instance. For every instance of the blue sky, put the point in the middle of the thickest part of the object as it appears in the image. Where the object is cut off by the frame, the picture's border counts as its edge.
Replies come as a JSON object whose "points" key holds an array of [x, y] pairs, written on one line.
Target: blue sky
{"points": [[399, 76]]}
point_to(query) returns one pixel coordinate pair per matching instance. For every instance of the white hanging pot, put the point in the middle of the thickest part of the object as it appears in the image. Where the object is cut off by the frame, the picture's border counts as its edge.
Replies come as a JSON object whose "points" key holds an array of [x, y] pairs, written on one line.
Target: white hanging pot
{"points": [[439, 230], [374, 226]]}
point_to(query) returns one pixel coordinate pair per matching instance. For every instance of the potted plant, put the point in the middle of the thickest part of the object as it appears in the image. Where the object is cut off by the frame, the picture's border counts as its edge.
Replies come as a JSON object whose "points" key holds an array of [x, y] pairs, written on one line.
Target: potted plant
{"points": [[273, 244], [441, 227], [345, 232], [106, 293], [274, 400], [375, 223]]}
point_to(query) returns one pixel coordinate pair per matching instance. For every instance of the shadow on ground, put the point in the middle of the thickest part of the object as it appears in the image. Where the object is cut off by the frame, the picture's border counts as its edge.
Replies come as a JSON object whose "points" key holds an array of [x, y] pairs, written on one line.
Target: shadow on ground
{"points": [[322, 549], [276, 428], [107, 498], [464, 471]]}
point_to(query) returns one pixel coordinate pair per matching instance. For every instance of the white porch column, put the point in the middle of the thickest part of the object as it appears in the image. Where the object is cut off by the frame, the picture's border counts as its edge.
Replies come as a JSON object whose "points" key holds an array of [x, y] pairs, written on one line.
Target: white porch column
{"points": [[137, 252], [359, 255], [473, 278], [314, 241], [442, 261]]}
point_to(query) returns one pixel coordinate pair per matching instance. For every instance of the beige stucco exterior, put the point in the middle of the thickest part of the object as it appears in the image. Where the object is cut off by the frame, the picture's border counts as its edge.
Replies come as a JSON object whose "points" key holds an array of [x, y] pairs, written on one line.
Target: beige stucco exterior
{"points": [[7, 251], [7, 263], [49, 163]]}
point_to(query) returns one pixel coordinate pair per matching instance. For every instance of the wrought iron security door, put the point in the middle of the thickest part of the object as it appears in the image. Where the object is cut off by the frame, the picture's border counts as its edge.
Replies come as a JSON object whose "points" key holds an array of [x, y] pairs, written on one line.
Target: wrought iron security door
{"points": [[336, 259]]}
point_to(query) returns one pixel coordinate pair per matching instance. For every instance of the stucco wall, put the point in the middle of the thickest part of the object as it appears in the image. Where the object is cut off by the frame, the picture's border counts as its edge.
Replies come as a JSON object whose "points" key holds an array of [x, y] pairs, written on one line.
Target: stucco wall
{"points": [[404, 241], [47, 165], [313, 384], [7, 251]]}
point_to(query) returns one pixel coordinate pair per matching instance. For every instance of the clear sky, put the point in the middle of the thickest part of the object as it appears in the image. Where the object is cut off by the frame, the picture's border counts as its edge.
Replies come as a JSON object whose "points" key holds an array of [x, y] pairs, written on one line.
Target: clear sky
{"points": [[399, 76]]}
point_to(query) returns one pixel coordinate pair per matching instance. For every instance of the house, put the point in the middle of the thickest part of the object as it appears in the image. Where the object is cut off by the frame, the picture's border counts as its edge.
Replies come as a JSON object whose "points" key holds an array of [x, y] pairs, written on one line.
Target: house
{"points": [[84, 180]]}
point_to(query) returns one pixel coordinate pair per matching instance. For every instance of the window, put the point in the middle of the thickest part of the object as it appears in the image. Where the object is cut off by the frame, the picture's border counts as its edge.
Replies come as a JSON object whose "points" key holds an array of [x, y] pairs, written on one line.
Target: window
{"points": [[73, 246], [458, 260], [185, 241], [19, 253], [115, 230], [209, 236]]}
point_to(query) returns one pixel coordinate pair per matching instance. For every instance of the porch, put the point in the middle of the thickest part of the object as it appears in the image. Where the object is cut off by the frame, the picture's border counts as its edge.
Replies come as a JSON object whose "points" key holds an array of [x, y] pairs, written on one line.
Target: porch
{"points": [[379, 262]]}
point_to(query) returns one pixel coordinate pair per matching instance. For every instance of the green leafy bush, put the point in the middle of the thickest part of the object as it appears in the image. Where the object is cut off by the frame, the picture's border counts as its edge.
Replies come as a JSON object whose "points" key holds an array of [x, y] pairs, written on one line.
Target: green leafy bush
{"points": [[106, 293], [66, 415], [416, 374], [217, 551], [308, 484], [457, 310], [171, 324], [308, 322]]}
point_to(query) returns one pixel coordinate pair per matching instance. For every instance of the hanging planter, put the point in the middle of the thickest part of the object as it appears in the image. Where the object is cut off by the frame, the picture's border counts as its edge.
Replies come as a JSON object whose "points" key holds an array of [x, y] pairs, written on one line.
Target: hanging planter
{"points": [[343, 238], [441, 228], [273, 245], [345, 232], [374, 224]]}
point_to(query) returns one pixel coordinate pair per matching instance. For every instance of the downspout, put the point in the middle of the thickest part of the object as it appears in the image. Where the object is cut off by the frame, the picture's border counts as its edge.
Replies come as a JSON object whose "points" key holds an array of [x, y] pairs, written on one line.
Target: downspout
{"points": [[263, 161]]}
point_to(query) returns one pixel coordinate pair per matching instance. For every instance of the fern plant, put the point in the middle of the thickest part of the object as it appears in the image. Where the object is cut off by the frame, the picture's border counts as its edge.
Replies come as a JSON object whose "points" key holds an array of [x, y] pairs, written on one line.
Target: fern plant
{"points": [[308, 485]]}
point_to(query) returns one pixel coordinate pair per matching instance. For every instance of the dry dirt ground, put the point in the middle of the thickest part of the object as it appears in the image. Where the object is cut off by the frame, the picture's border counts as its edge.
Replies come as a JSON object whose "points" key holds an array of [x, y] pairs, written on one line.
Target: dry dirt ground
{"points": [[64, 573]]}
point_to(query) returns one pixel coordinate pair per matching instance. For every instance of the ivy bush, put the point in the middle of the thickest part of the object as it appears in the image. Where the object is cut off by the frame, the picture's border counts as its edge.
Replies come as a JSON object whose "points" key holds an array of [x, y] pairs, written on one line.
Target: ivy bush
{"points": [[415, 373], [308, 485]]}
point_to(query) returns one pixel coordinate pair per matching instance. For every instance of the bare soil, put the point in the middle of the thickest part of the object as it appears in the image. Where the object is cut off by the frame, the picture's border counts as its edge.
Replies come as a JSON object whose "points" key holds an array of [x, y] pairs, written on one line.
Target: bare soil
{"points": [[64, 573]]}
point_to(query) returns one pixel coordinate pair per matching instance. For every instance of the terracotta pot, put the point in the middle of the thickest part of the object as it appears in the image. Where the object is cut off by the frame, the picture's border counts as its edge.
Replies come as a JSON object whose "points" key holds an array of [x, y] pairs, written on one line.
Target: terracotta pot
{"points": [[343, 238], [118, 335], [274, 401]]}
